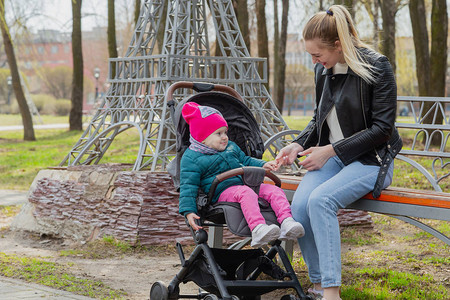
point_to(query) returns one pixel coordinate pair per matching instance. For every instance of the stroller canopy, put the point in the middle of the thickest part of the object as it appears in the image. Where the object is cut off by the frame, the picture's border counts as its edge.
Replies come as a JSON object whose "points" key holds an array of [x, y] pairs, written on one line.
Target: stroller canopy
{"points": [[242, 126]]}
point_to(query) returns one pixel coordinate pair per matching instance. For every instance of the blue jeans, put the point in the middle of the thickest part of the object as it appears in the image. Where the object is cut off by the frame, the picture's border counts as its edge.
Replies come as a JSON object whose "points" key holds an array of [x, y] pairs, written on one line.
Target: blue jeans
{"points": [[315, 204]]}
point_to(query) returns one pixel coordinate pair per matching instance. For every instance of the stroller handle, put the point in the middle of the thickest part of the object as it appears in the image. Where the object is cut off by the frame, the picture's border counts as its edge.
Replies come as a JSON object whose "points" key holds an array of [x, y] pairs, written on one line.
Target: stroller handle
{"points": [[236, 172], [201, 87]]}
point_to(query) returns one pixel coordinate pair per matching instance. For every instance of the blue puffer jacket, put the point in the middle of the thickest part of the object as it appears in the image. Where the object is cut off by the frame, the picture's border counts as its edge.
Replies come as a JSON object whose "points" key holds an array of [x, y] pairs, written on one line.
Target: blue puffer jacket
{"points": [[198, 170]]}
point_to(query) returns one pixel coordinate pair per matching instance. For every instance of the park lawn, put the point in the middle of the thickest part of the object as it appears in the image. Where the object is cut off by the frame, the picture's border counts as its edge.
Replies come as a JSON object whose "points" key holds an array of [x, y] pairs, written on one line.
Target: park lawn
{"points": [[20, 161]]}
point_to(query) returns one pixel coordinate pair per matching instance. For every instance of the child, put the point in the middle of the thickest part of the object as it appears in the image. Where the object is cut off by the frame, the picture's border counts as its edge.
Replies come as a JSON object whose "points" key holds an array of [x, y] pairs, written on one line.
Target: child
{"points": [[210, 154]]}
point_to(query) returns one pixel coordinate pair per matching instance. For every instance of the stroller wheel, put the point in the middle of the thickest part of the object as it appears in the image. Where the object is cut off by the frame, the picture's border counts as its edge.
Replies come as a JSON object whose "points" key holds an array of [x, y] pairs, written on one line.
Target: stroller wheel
{"points": [[159, 291], [211, 297]]}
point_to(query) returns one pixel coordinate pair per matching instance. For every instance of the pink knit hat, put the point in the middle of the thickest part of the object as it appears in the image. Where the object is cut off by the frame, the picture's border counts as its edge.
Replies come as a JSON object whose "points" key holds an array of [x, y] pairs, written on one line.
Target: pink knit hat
{"points": [[202, 120]]}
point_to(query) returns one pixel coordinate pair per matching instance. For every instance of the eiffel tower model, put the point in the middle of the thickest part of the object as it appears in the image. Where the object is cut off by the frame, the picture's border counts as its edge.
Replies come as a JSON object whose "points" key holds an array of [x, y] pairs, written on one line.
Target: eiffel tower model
{"points": [[136, 96]]}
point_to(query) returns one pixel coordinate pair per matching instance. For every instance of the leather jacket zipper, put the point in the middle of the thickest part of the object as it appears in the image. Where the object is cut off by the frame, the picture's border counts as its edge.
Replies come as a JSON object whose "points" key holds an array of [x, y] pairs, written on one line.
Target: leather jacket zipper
{"points": [[380, 161], [321, 125]]}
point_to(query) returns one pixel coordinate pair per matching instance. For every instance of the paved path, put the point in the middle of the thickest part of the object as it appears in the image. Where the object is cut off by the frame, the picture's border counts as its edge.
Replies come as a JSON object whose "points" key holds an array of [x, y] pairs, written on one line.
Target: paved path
{"points": [[12, 289], [10, 197], [37, 126]]}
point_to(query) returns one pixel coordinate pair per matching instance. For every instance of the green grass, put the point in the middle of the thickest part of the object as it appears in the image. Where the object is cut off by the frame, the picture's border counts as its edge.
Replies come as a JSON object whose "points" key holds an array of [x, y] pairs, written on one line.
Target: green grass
{"points": [[20, 161], [384, 283], [54, 275]]}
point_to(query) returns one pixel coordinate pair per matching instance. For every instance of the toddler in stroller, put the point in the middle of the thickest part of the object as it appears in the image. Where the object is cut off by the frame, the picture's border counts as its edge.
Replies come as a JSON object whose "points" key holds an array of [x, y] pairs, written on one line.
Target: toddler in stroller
{"points": [[227, 273], [210, 154]]}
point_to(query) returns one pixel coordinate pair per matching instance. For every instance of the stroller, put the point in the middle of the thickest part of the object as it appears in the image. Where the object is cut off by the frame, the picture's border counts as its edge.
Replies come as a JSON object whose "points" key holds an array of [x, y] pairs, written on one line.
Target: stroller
{"points": [[226, 273]]}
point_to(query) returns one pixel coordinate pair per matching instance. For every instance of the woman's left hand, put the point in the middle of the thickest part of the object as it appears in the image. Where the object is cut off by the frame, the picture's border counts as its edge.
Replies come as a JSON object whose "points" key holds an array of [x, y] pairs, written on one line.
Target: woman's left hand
{"points": [[316, 157]]}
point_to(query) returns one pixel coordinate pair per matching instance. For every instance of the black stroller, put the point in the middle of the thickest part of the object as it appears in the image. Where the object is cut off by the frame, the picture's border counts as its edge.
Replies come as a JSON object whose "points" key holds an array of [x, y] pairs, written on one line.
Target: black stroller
{"points": [[227, 273]]}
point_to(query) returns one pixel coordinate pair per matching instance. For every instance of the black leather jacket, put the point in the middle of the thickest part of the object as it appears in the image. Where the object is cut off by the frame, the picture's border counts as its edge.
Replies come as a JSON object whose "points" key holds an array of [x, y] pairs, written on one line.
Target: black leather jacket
{"points": [[366, 114]]}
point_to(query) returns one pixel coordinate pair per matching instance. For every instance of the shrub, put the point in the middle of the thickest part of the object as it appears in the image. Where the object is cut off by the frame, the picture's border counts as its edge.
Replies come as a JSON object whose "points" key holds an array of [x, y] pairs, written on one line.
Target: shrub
{"points": [[62, 107], [41, 100]]}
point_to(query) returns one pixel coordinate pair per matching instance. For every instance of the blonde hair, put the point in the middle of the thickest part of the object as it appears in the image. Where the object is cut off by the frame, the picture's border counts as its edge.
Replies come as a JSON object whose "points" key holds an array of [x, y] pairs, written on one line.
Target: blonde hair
{"points": [[336, 24]]}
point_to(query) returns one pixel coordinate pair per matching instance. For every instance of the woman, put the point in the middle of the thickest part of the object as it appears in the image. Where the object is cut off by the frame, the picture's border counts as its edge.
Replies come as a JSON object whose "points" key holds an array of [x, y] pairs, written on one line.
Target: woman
{"points": [[349, 144]]}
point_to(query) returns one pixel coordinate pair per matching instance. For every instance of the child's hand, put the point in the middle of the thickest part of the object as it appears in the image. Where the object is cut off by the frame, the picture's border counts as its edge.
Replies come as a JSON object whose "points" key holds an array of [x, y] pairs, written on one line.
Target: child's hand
{"points": [[271, 165], [191, 219]]}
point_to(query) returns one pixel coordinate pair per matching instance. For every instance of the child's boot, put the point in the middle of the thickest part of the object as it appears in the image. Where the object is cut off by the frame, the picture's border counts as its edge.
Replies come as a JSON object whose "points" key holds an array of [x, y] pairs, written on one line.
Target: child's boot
{"points": [[291, 230], [263, 233]]}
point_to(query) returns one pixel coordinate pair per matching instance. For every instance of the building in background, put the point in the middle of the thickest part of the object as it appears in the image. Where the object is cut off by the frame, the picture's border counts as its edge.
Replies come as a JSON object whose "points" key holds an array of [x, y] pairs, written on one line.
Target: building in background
{"points": [[52, 48]]}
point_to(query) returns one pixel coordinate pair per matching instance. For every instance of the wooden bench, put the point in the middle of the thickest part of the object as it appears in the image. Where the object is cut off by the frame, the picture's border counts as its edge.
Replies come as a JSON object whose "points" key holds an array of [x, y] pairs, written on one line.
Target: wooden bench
{"points": [[433, 162]]}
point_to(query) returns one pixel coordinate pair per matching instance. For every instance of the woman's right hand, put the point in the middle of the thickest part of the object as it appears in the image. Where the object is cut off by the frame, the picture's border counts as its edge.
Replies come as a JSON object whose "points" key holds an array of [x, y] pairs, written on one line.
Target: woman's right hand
{"points": [[288, 154], [191, 219]]}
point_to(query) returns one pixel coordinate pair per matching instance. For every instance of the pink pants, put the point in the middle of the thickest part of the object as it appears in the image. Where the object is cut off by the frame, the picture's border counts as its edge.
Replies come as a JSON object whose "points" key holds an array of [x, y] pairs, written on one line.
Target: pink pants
{"points": [[248, 200]]}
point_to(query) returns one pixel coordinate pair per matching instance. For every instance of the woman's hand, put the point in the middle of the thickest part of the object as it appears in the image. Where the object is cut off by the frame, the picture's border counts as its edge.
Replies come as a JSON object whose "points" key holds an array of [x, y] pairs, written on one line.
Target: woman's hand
{"points": [[288, 154], [191, 219], [316, 157]]}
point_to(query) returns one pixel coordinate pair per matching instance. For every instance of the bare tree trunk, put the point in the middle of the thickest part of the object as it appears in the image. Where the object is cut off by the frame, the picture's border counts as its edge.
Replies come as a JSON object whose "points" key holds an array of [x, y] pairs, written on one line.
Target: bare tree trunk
{"points": [[376, 26], [263, 41], [137, 10], [162, 27], [112, 44], [420, 37], [372, 8], [276, 63], [388, 11], [438, 56], [348, 4], [27, 120], [241, 11], [282, 56], [76, 112], [430, 69]]}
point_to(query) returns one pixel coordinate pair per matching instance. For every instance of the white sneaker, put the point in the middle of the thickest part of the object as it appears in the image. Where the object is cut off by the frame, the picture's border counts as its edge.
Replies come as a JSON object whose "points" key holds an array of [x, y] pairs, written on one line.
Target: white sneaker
{"points": [[263, 233], [291, 230]]}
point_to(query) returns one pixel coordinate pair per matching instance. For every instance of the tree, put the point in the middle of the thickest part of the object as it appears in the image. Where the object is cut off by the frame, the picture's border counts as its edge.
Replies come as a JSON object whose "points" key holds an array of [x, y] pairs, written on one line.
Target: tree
{"points": [[430, 69], [420, 37], [372, 8], [161, 32], [241, 11], [388, 12], [76, 111], [348, 4], [438, 57], [137, 10], [280, 55], [276, 57], [27, 120], [112, 44], [263, 41], [389, 9]]}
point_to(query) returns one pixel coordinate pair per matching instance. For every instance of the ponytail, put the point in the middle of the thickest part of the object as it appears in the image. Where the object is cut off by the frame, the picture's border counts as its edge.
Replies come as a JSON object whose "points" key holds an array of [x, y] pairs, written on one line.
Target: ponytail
{"points": [[336, 24]]}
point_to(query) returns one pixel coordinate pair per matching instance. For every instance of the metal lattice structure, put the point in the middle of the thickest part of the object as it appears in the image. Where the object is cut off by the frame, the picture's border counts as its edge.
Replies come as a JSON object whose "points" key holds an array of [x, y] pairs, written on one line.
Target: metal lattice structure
{"points": [[136, 97]]}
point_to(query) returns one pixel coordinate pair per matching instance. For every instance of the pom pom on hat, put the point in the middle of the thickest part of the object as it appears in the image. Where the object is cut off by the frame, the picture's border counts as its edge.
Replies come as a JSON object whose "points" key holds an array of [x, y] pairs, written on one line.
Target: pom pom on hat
{"points": [[202, 120]]}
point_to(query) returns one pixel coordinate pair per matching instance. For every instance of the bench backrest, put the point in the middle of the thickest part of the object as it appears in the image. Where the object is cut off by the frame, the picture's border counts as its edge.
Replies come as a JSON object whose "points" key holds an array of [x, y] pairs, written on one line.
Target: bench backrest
{"points": [[424, 124]]}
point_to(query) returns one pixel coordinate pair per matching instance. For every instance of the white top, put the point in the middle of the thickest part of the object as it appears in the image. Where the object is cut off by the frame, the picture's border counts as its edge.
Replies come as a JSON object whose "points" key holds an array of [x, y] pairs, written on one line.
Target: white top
{"points": [[332, 118]]}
